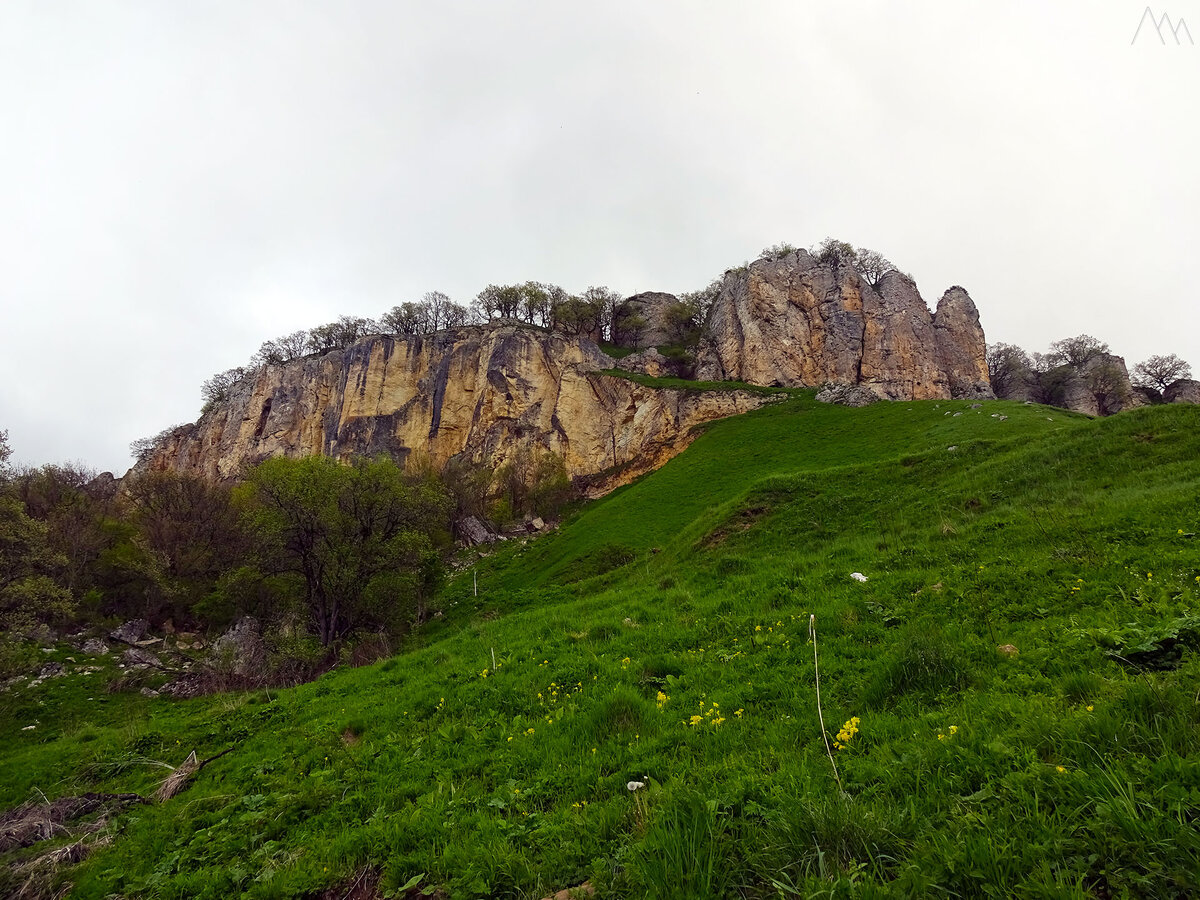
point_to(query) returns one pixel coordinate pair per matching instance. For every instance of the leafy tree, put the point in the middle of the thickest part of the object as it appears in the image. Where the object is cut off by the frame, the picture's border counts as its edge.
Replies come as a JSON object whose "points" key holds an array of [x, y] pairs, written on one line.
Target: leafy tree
{"points": [[777, 251], [501, 301], [340, 334], [190, 526], [701, 301], [361, 536], [61, 497], [836, 253], [30, 591], [407, 318], [531, 482], [1160, 372], [1076, 351], [281, 350], [1109, 385], [1008, 368], [577, 316], [606, 300]]}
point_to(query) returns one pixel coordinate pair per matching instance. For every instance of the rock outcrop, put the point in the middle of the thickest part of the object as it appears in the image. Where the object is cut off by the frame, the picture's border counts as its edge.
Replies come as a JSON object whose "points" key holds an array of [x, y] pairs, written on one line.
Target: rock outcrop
{"points": [[1185, 390], [794, 321], [645, 320], [485, 393], [1097, 387]]}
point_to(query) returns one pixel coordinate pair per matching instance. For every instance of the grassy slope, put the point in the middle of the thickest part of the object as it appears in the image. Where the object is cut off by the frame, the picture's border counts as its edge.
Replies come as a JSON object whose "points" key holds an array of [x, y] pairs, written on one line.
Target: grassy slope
{"points": [[1059, 771]]}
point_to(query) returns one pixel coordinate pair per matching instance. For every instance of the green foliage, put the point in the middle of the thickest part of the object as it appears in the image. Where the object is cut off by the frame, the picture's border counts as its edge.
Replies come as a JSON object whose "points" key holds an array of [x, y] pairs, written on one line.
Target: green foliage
{"points": [[29, 592], [361, 536], [491, 757], [686, 854]]}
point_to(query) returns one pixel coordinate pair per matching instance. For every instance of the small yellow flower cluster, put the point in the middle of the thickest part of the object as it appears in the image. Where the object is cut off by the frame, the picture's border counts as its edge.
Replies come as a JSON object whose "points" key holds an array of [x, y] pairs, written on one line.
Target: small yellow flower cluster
{"points": [[738, 712], [485, 673], [441, 703], [953, 729], [846, 735], [712, 716], [662, 700], [625, 663]]}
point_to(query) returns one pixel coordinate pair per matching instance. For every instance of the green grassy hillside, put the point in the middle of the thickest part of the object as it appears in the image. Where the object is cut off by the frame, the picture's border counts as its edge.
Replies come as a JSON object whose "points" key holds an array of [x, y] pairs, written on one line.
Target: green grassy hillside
{"points": [[662, 636]]}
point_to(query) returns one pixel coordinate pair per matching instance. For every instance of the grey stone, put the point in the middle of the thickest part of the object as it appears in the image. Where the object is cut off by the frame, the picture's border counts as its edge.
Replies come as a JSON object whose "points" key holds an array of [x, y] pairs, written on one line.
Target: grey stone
{"points": [[136, 656], [473, 532], [240, 650], [847, 395], [131, 632], [95, 646], [1185, 390]]}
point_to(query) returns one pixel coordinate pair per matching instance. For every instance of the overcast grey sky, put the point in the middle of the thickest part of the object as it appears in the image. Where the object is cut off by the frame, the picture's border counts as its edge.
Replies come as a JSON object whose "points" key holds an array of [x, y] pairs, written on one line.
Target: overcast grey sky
{"points": [[181, 181]]}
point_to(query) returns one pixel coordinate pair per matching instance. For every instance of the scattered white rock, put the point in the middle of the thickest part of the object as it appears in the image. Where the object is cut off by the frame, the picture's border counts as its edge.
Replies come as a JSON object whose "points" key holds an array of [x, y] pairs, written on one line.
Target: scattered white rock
{"points": [[29, 728], [858, 576]]}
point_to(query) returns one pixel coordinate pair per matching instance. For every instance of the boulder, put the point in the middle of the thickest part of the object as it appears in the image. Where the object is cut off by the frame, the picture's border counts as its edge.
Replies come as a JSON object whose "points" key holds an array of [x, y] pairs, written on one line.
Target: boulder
{"points": [[136, 656], [131, 632], [95, 646], [647, 362], [472, 532], [240, 650], [847, 395], [1185, 390]]}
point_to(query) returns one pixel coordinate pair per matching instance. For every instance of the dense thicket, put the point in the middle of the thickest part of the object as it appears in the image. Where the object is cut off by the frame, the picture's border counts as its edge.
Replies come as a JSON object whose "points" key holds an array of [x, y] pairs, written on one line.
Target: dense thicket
{"points": [[329, 548]]}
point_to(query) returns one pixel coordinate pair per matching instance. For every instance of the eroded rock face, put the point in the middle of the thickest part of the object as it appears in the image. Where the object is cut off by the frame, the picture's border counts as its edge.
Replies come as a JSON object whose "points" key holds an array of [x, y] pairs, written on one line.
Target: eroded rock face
{"points": [[793, 321], [1098, 387], [1185, 390], [644, 320], [486, 393]]}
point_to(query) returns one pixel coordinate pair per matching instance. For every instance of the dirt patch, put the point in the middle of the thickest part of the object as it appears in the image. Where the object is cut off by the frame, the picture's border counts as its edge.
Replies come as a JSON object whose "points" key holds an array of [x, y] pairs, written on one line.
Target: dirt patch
{"points": [[742, 520], [30, 823]]}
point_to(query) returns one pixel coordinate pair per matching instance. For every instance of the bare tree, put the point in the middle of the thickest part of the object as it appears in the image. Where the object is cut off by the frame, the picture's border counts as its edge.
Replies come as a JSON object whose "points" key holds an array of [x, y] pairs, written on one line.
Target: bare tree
{"points": [[1076, 351], [1008, 366], [217, 388], [502, 301], [407, 318], [1160, 372], [281, 350]]}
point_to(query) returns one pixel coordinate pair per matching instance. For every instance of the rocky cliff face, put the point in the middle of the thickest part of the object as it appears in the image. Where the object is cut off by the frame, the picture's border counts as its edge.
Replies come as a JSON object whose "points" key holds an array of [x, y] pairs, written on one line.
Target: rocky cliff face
{"points": [[486, 393], [644, 320], [797, 322]]}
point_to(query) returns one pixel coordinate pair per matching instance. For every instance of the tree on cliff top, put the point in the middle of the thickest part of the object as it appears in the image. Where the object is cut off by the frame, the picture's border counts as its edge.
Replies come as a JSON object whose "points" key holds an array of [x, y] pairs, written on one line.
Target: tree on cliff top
{"points": [[1076, 351], [1160, 372]]}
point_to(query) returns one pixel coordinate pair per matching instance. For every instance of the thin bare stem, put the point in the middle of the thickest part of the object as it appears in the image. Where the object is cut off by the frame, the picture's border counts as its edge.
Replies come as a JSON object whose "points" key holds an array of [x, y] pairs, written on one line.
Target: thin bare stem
{"points": [[812, 634]]}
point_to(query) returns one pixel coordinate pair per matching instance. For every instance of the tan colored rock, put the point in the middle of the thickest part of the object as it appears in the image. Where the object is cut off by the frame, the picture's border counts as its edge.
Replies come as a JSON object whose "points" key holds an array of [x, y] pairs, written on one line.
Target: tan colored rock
{"points": [[486, 393], [796, 322]]}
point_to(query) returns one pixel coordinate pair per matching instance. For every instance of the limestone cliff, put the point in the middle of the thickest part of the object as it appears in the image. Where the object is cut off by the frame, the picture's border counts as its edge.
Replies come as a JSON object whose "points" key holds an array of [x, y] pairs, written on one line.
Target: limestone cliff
{"points": [[795, 321], [486, 393]]}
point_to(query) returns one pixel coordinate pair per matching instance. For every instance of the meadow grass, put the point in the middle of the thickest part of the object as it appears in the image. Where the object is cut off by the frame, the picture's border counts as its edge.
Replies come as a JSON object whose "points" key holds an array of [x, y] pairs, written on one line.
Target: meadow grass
{"points": [[661, 636]]}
